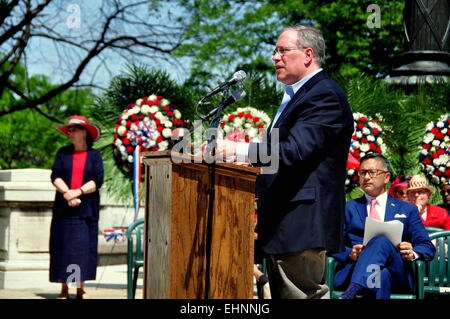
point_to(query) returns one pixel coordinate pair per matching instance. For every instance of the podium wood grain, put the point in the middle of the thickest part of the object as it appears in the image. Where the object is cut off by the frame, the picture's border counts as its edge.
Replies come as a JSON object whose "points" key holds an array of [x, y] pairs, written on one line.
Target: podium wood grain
{"points": [[176, 216]]}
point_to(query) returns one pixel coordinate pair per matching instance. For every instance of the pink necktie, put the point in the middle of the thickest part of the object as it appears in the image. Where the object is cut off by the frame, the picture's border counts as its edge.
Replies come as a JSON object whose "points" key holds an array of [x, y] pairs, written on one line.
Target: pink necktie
{"points": [[373, 211]]}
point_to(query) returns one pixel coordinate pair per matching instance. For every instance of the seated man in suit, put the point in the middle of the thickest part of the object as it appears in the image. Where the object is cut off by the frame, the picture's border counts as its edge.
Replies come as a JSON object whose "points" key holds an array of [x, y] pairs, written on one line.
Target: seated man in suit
{"points": [[379, 266]]}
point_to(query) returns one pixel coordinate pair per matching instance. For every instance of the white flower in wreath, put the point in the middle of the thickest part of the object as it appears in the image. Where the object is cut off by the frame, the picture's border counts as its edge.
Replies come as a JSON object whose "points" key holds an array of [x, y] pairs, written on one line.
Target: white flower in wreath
{"points": [[358, 134], [177, 114], [442, 169], [139, 102], [365, 131], [440, 124], [356, 144], [437, 161], [362, 154], [153, 109], [165, 102], [428, 138], [423, 152], [237, 122], [371, 138], [168, 124], [167, 132], [163, 145], [252, 132], [365, 147], [145, 109], [152, 97], [435, 179], [130, 158], [227, 128], [121, 130], [436, 143], [430, 169], [429, 126]]}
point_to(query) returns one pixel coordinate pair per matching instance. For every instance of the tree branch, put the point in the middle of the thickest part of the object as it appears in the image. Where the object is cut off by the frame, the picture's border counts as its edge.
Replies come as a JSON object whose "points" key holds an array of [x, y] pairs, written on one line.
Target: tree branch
{"points": [[25, 21]]}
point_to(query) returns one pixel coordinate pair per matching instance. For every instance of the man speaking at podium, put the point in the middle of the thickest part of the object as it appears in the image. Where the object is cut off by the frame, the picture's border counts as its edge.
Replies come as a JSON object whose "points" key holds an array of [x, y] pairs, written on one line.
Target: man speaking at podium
{"points": [[301, 203]]}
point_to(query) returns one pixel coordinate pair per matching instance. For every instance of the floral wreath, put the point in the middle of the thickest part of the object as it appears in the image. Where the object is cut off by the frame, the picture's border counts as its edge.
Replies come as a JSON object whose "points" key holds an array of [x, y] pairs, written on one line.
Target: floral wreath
{"points": [[366, 138], [152, 123], [246, 124], [434, 151]]}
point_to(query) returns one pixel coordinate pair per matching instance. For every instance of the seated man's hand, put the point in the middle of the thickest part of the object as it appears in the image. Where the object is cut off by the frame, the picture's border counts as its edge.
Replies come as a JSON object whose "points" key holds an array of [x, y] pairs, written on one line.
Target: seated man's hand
{"points": [[406, 250], [356, 251]]}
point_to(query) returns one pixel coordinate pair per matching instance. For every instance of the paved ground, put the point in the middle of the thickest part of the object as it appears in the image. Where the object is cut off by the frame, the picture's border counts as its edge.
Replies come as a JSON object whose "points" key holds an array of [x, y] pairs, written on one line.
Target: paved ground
{"points": [[111, 283]]}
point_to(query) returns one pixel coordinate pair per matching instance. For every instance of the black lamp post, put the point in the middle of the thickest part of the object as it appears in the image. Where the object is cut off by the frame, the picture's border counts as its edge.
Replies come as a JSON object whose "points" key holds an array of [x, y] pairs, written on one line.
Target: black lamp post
{"points": [[427, 31]]}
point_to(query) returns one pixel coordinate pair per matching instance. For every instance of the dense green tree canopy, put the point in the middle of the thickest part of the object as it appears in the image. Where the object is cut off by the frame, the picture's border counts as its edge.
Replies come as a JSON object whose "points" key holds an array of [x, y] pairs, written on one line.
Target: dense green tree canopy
{"points": [[224, 34], [28, 137]]}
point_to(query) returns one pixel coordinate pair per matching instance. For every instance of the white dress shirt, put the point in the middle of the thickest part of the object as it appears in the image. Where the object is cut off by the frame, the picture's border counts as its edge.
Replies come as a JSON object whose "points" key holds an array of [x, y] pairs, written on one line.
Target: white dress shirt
{"points": [[380, 206]]}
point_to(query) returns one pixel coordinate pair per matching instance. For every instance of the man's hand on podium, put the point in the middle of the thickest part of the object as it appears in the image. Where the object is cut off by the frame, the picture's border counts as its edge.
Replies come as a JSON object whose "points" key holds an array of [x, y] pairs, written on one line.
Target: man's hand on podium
{"points": [[225, 150]]}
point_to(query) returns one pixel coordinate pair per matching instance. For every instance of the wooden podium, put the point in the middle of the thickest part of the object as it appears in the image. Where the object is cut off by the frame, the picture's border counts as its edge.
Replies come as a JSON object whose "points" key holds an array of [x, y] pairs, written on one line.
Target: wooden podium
{"points": [[176, 211]]}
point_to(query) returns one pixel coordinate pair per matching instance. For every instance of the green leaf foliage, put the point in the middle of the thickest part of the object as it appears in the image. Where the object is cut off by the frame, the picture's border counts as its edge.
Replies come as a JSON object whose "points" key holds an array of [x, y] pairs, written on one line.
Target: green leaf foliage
{"points": [[124, 89], [28, 137], [224, 33]]}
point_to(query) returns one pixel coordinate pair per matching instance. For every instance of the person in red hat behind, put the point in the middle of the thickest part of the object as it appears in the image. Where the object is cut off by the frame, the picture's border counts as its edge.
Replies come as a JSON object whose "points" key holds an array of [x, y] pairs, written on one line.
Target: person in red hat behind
{"points": [[419, 193], [77, 175], [399, 187]]}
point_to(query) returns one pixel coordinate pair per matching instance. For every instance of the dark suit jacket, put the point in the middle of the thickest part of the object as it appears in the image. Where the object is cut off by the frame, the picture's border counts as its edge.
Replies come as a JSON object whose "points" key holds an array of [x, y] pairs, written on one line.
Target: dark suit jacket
{"points": [[301, 205], [93, 170], [413, 231]]}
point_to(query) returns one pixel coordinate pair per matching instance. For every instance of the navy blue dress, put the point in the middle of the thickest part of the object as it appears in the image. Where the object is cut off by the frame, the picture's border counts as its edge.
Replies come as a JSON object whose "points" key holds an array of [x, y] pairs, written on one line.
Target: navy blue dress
{"points": [[74, 230]]}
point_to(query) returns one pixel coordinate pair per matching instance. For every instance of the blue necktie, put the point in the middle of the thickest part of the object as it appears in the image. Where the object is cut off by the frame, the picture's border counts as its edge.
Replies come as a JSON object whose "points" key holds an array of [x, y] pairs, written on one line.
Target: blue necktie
{"points": [[289, 93]]}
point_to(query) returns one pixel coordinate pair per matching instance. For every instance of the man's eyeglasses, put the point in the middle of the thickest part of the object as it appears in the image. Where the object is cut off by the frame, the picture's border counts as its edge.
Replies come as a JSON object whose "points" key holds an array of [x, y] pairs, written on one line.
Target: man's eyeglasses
{"points": [[283, 50], [371, 172]]}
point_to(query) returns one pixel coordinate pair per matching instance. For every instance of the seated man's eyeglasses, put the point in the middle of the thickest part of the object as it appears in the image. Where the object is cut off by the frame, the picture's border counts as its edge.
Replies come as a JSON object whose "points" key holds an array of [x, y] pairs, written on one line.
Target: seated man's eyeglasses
{"points": [[371, 172], [283, 50]]}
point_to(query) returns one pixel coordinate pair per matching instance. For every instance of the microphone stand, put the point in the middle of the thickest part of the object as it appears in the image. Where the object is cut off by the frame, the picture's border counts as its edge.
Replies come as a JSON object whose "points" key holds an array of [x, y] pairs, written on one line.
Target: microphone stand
{"points": [[212, 143]]}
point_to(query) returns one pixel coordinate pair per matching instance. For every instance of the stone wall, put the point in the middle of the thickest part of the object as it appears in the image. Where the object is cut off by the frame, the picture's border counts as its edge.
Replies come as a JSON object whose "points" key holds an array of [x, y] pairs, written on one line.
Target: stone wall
{"points": [[26, 199]]}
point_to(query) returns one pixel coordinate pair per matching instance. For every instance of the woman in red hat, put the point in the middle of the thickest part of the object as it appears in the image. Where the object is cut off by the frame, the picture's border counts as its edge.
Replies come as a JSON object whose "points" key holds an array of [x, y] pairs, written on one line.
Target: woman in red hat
{"points": [[77, 174]]}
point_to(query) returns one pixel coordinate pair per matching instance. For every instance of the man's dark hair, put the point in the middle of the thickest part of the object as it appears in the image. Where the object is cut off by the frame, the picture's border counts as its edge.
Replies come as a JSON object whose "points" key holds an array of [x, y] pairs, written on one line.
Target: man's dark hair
{"points": [[378, 157]]}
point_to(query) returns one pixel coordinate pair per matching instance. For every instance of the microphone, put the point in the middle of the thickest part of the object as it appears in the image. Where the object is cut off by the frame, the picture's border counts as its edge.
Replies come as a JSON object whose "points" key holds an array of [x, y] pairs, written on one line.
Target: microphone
{"points": [[237, 77], [236, 96]]}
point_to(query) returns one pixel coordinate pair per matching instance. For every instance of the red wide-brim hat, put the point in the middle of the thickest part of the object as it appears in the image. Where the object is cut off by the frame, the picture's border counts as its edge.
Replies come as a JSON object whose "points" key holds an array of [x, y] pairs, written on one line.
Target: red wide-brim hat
{"points": [[78, 120]]}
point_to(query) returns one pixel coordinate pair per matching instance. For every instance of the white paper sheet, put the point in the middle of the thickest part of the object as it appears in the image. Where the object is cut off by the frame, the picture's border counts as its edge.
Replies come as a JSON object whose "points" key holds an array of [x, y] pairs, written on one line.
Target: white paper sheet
{"points": [[392, 230]]}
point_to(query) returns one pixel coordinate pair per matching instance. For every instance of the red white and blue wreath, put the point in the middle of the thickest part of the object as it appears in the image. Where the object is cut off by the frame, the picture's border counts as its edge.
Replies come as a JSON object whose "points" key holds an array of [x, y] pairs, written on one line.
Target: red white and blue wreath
{"points": [[434, 151], [246, 124], [152, 123], [367, 137]]}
